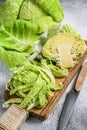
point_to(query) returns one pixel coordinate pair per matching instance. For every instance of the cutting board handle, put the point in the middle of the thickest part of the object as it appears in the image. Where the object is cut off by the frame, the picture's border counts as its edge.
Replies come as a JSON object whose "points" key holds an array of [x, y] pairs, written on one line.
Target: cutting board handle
{"points": [[1, 128], [13, 118]]}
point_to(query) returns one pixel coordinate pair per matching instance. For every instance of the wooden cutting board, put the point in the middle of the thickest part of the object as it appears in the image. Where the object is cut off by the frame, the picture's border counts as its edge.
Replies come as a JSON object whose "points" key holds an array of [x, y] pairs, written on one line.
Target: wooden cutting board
{"points": [[52, 101]]}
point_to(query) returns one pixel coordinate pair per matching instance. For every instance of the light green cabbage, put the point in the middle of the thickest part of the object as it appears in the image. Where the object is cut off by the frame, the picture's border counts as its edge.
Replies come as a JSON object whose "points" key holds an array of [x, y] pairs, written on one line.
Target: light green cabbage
{"points": [[73, 43], [52, 8], [17, 100], [33, 11], [54, 30], [32, 83], [12, 58], [17, 41], [18, 35], [66, 28], [9, 10], [56, 71], [44, 14], [44, 23]]}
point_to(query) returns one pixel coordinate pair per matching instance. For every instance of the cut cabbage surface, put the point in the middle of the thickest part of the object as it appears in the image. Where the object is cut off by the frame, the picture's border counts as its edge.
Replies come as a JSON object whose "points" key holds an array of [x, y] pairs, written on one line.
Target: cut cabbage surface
{"points": [[65, 56], [64, 49]]}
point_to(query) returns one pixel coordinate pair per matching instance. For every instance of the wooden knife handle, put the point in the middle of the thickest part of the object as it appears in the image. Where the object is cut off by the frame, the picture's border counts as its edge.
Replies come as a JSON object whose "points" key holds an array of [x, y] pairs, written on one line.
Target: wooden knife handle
{"points": [[81, 77], [13, 118]]}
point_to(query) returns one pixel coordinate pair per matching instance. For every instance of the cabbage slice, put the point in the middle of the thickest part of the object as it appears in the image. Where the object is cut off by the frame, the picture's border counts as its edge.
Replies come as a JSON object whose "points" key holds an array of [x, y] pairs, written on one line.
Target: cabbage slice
{"points": [[70, 47]]}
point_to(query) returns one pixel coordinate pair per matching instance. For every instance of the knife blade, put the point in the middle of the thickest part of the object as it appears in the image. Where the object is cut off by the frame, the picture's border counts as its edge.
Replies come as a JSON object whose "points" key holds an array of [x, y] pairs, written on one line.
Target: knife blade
{"points": [[71, 98]]}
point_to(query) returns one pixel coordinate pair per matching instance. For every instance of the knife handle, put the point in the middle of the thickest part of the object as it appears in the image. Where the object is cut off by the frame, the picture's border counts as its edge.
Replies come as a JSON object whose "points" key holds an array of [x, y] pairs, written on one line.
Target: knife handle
{"points": [[81, 77]]}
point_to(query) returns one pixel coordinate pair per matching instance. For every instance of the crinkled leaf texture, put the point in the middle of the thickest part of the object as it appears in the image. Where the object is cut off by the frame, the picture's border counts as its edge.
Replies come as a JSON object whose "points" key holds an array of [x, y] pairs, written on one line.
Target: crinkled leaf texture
{"points": [[64, 49], [33, 11], [17, 41], [32, 83], [52, 8], [12, 58], [9, 10], [43, 13]]}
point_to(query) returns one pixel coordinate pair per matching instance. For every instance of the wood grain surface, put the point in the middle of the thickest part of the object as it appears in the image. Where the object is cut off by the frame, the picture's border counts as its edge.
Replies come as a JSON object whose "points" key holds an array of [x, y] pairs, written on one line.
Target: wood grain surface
{"points": [[52, 101], [1, 128]]}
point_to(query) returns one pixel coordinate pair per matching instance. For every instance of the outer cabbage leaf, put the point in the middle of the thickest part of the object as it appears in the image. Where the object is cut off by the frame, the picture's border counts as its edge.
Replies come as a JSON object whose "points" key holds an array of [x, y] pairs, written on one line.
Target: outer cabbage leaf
{"points": [[66, 28], [17, 41], [12, 58], [44, 23], [42, 13], [36, 14], [52, 8], [17, 35], [9, 10], [54, 30], [33, 11]]}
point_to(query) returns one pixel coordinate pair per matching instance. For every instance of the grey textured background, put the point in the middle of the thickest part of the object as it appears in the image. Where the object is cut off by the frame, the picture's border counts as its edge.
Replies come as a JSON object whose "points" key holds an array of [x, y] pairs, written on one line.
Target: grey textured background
{"points": [[76, 15]]}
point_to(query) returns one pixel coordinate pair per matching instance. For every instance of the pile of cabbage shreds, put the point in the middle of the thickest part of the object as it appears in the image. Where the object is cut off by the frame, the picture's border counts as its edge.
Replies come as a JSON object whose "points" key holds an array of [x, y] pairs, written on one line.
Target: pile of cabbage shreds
{"points": [[33, 83]]}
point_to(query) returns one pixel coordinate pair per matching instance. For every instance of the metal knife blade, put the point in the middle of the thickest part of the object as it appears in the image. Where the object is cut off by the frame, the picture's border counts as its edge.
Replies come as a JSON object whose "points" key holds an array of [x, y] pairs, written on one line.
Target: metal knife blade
{"points": [[71, 98]]}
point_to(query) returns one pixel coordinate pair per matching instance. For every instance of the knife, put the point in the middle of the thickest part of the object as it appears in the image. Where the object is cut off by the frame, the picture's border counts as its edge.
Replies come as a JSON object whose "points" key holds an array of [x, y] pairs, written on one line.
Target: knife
{"points": [[71, 98]]}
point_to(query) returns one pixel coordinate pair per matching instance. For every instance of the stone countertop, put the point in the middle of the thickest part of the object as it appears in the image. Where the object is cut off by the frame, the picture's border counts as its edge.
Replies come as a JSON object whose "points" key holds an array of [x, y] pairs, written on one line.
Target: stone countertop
{"points": [[76, 15]]}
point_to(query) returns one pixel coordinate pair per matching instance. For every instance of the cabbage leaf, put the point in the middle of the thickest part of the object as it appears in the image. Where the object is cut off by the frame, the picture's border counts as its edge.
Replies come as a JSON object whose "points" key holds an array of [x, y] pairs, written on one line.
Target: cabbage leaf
{"points": [[9, 10], [18, 35], [52, 8], [66, 28], [17, 41], [12, 58], [43, 13], [44, 23], [33, 11]]}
